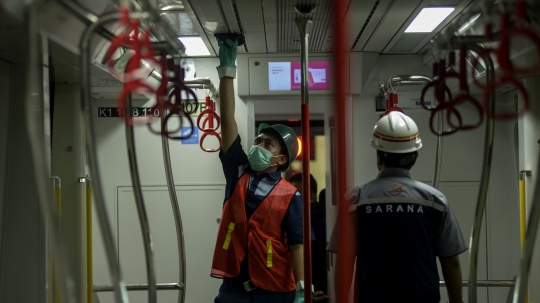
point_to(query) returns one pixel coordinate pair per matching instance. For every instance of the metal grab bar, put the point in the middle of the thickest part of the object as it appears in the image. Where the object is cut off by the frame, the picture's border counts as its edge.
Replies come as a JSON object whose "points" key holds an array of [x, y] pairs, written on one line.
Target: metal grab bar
{"points": [[200, 83], [204, 83], [484, 182], [136, 287], [399, 80], [86, 108], [141, 209], [176, 46], [304, 27], [486, 283], [88, 18], [114, 266], [89, 246], [176, 209]]}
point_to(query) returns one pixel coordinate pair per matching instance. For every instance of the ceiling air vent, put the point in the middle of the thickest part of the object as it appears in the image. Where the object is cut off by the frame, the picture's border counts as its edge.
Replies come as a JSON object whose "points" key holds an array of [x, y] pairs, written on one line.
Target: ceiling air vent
{"points": [[239, 24], [365, 24]]}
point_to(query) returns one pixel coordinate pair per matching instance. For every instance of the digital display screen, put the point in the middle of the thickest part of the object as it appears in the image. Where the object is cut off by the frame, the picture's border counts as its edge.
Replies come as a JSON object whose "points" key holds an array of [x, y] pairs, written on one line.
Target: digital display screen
{"points": [[288, 75]]}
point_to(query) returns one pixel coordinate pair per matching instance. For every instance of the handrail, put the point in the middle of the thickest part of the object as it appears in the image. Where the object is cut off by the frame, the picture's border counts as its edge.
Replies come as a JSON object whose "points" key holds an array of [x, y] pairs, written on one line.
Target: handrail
{"points": [[86, 108], [304, 27], [89, 18], [201, 83], [486, 283], [399, 80], [484, 182], [175, 208], [121, 293], [526, 257], [141, 209], [136, 287], [89, 246], [176, 46]]}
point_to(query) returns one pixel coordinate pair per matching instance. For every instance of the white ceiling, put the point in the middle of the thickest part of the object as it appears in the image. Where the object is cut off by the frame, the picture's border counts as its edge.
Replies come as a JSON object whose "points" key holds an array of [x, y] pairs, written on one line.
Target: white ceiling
{"points": [[269, 25]]}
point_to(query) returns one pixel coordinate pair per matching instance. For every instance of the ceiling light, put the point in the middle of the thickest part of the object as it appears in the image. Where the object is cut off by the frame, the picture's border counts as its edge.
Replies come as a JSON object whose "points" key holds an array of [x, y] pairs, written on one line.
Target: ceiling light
{"points": [[428, 19], [194, 46]]}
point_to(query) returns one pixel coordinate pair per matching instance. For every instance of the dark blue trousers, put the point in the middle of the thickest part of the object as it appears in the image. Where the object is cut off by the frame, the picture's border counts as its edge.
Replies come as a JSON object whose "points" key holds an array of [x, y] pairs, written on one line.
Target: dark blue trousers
{"points": [[236, 294]]}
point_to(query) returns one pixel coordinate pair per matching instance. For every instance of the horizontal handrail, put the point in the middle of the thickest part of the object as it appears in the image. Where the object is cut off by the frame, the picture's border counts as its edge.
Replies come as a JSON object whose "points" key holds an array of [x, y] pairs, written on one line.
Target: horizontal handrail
{"points": [[136, 287], [486, 283]]}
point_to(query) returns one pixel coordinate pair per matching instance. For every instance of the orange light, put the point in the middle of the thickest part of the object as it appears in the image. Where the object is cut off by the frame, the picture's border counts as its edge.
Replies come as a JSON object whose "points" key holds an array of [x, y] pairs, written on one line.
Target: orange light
{"points": [[299, 139]]}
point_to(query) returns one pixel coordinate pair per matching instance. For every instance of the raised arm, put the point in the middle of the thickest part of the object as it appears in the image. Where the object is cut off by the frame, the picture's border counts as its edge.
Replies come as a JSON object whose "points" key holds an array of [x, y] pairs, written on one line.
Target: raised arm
{"points": [[228, 51], [451, 269], [229, 129]]}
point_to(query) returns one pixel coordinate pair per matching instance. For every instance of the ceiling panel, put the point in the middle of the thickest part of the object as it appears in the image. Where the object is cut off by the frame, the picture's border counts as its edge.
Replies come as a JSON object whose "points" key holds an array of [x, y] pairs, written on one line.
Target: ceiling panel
{"points": [[397, 13], [320, 37], [250, 13], [357, 15], [397, 44], [370, 24], [207, 18], [271, 24]]}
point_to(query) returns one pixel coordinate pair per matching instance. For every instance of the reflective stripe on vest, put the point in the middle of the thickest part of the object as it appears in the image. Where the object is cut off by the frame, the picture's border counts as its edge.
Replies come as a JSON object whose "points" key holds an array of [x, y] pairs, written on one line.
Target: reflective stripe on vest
{"points": [[268, 253], [228, 237]]}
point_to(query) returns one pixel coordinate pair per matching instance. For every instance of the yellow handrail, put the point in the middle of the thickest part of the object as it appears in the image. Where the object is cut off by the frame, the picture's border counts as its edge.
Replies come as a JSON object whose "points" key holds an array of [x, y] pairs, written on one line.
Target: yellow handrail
{"points": [[523, 214], [89, 273], [58, 203]]}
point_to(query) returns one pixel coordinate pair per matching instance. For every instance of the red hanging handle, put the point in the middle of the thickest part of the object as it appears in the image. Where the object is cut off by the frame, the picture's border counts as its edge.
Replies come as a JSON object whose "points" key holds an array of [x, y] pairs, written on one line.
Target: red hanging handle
{"points": [[207, 126]]}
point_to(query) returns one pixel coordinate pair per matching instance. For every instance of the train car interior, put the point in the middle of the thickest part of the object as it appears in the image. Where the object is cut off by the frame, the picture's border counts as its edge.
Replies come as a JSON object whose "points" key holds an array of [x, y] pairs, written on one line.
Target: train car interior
{"points": [[111, 183]]}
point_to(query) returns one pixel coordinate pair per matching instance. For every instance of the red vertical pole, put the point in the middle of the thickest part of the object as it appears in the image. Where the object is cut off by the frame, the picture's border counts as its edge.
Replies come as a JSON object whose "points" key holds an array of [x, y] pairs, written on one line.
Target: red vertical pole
{"points": [[304, 26], [306, 197], [344, 265]]}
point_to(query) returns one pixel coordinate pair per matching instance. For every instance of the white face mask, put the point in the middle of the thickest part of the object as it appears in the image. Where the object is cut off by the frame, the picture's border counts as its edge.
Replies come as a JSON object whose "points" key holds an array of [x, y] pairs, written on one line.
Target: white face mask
{"points": [[259, 158]]}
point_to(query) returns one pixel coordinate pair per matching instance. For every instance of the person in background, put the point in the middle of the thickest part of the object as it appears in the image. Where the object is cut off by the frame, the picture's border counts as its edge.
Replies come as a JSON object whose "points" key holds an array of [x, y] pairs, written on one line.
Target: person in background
{"points": [[259, 248], [318, 225], [399, 226]]}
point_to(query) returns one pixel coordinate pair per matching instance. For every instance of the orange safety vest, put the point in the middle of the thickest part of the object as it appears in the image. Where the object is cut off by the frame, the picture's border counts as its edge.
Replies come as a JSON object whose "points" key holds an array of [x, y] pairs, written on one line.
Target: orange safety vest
{"points": [[269, 261]]}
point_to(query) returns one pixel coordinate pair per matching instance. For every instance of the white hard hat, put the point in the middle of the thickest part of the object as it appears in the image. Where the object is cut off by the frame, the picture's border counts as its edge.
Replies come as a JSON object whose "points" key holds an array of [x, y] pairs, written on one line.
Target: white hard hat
{"points": [[396, 133]]}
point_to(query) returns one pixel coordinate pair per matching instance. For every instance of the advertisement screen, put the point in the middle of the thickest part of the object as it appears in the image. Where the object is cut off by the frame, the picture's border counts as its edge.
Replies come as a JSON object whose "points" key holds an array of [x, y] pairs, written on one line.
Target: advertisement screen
{"points": [[288, 75]]}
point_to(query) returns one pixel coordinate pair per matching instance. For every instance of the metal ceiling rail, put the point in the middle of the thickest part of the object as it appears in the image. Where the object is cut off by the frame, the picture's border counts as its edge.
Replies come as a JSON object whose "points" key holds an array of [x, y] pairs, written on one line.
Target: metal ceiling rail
{"points": [[175, 44], [200, 83], [204, 83], [452, 36], [400, 80], [89, 18]]}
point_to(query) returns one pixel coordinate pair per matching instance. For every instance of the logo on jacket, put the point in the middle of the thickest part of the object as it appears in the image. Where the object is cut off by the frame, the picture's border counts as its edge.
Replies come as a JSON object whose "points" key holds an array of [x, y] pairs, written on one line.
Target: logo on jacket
{"points": [[394, 189]]}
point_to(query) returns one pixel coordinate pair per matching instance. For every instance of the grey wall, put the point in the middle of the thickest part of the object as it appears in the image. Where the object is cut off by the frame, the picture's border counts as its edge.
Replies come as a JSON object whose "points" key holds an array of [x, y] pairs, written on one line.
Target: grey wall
{"points": [[5, 92], [23, 255]]}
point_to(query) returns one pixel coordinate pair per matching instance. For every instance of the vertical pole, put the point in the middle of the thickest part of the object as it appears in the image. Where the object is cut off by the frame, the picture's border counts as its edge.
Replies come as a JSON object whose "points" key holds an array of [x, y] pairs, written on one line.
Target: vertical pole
{"points": [[344, 265], [303, 27], [89, 259]]}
